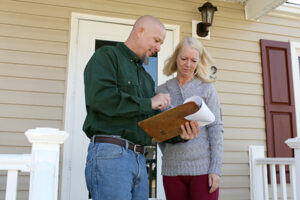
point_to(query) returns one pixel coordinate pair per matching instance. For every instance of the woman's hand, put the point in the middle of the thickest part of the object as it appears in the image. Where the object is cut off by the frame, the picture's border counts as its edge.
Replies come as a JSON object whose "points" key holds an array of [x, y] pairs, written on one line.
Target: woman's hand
{"points": [[213, 182], [190, 130]]}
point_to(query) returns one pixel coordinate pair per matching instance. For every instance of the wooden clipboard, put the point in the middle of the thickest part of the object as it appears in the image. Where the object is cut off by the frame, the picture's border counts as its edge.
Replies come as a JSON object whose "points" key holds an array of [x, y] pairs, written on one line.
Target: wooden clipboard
{"points": [[166, 125]]}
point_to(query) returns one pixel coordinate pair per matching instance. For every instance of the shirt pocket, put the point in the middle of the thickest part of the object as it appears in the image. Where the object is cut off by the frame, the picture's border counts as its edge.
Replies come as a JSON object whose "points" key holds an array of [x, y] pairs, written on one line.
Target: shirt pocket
{"points": [[128, 86]]}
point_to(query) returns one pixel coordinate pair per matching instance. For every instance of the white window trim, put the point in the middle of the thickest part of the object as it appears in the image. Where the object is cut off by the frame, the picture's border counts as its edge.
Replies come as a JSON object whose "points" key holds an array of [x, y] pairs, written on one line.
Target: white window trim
{"points": [[295, 53]]}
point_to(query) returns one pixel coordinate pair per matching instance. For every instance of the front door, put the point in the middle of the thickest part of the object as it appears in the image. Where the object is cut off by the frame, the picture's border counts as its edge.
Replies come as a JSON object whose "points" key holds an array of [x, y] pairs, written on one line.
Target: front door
{"points": [[86, 33]]}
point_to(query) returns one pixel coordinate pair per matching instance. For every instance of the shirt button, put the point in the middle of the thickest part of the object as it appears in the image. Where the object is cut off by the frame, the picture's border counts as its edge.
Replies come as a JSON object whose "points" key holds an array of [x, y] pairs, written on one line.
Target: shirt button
{"points": [[129, 82]]}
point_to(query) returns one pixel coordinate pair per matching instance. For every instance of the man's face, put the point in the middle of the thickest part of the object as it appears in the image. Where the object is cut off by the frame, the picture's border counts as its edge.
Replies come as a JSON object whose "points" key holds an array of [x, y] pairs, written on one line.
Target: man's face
{"points": [[152, 39]]}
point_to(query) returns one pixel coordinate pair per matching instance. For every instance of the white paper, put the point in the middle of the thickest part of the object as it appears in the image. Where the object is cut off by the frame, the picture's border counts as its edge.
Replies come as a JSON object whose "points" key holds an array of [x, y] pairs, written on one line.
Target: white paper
{"points": [[203, 116]]}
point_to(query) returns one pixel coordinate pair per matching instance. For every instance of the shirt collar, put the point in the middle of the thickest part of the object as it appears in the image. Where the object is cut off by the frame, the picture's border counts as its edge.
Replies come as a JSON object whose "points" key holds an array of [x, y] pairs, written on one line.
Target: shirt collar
{"points": [[129, 53]]}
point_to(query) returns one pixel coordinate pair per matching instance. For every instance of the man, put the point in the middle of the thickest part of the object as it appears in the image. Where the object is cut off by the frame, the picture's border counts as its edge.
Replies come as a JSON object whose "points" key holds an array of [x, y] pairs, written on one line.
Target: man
{"points": [[119, 93]]}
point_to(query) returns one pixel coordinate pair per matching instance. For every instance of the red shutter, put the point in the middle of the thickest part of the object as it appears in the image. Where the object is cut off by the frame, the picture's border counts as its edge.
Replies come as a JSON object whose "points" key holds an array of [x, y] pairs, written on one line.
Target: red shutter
{"points": [[278, 97]]}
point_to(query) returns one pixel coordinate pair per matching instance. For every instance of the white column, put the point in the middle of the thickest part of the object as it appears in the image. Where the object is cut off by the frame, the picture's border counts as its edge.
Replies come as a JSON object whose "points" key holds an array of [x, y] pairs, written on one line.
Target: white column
{"points": [[256, 175], [45, 162], [294, 143]]}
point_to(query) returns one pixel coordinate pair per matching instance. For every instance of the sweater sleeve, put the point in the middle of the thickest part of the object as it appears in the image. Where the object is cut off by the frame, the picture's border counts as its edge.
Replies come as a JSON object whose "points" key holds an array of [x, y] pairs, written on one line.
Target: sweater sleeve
{"points": [[164, 89], [215, 133]]}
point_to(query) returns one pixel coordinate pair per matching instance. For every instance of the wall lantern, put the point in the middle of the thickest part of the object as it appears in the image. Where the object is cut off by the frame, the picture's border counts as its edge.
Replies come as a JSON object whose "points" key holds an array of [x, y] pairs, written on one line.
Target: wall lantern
{"points": [[207, 11]]}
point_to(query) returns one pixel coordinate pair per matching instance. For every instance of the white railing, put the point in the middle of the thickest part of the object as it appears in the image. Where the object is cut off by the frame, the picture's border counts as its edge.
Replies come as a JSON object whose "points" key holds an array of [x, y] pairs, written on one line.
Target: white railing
{"points": [[12, 164], [42, 163], [259, 188]]}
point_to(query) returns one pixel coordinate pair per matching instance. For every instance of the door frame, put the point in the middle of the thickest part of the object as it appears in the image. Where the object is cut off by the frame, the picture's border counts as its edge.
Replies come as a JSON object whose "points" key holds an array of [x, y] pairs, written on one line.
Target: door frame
{"points": [[69, 119], [295, 53]]}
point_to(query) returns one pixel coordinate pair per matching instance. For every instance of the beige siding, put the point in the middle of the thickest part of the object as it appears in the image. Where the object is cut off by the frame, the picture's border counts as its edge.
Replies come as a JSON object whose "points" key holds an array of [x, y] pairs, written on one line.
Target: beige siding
{"points": [[33, 60], [34, 37]]}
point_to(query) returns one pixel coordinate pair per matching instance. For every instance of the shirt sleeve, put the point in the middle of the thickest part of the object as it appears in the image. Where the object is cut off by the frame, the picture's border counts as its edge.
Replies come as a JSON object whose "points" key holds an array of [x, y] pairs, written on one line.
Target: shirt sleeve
{"points": [[215, 133], [102, 93]]}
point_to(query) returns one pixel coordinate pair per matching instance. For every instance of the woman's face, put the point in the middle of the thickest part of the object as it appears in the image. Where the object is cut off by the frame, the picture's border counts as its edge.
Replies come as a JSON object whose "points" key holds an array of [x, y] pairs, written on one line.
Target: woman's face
{"points": [[187, 61]]}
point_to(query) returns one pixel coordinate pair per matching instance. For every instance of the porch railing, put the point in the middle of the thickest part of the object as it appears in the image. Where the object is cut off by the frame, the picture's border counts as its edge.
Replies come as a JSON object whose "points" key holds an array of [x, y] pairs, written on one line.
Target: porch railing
{"points": [[259, 187], [13, 164], [42, 163]]}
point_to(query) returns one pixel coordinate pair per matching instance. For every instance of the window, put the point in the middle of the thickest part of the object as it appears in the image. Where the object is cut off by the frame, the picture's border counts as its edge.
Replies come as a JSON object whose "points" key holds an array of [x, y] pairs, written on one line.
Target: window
{"points": [[295, 2]]}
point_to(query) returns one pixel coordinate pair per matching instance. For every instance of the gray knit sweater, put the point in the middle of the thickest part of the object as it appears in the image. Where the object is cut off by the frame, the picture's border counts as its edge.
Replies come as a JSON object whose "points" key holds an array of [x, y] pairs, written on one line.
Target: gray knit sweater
{"points": [[202, 155]]}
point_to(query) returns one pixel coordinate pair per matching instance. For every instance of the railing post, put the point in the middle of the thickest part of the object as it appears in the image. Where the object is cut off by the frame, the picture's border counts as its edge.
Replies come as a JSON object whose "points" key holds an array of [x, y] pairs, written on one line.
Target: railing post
{"points": [[256, 175], [294, 143], [45, 162]]}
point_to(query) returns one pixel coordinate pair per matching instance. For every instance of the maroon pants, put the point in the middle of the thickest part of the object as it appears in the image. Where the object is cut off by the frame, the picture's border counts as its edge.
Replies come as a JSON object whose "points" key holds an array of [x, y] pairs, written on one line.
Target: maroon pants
{"points": [[188, 188]]}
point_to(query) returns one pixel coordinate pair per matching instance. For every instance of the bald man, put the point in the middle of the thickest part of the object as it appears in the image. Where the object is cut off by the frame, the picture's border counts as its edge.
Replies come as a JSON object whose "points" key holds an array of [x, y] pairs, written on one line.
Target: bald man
{"points": [[119, 93]]}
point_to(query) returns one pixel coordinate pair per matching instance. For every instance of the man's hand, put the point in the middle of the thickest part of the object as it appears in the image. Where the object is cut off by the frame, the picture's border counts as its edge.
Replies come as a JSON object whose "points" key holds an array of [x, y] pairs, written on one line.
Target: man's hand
{"points": [[190, 130], [213, 182], [160, 101]]}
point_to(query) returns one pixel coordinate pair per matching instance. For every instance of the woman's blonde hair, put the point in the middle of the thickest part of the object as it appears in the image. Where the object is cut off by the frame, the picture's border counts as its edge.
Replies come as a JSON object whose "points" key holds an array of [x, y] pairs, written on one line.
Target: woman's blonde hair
{"points": [[203, 70]]}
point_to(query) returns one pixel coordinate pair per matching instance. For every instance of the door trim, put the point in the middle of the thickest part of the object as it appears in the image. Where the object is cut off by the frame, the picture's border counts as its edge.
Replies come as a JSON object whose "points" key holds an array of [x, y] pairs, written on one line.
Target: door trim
{"points": [[70, 93]]}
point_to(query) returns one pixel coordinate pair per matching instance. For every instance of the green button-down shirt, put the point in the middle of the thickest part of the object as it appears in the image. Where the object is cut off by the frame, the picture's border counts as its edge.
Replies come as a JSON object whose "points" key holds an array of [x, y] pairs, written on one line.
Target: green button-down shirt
{"points": [[118, 94]]}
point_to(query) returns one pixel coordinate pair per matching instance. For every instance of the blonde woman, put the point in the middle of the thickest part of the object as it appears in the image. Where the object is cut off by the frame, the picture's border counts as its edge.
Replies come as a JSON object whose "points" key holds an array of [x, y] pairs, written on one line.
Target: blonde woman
{"points": [[191, 170]]}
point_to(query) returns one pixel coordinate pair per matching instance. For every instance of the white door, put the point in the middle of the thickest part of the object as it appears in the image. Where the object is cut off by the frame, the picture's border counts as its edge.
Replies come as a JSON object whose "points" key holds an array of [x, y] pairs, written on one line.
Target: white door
{"points": [[85, 30]]}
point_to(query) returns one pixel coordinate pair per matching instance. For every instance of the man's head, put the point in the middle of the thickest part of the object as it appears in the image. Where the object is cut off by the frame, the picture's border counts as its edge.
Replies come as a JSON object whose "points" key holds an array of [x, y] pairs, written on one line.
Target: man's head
{"points": [[147, 34]]}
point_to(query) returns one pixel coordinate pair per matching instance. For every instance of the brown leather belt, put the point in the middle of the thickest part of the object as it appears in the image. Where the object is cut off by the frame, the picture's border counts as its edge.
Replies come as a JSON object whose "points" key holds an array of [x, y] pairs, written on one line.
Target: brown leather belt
{"points": [[120, 142]]}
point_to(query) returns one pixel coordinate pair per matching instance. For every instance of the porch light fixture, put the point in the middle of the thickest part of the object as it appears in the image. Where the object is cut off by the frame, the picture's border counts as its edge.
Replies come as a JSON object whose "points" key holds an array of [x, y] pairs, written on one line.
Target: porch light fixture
{"points": [[207, 11]]}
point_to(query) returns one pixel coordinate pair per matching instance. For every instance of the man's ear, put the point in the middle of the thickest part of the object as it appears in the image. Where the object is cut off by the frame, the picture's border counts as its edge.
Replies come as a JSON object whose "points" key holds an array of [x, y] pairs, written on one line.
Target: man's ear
{"points": [[141, 32]]}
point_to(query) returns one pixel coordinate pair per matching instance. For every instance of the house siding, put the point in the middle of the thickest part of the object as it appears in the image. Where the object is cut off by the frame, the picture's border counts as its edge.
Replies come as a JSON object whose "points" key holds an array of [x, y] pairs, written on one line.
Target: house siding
{"points": [[34, 39]]}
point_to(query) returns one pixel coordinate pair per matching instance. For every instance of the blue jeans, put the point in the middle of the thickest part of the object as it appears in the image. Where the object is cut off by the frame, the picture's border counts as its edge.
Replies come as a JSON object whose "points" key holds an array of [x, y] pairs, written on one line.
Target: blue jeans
{"points": [[116, 173]]}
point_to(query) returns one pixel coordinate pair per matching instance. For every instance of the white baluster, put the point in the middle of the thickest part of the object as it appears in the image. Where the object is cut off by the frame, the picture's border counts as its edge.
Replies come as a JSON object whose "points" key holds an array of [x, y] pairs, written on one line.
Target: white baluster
{"points": [[282, 182], [11, 187], [265, 182], [293, 182], [273, 181]]}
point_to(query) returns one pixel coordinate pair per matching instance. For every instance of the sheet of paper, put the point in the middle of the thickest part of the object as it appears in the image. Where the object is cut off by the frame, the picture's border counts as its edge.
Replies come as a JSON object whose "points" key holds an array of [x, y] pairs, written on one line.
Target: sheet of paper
{"points": [[203, 116]]}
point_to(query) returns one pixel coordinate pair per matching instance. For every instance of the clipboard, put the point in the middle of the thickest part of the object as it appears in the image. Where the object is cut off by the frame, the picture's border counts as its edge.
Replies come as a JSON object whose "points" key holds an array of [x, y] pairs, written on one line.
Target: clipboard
{"points": [[166, 125]]}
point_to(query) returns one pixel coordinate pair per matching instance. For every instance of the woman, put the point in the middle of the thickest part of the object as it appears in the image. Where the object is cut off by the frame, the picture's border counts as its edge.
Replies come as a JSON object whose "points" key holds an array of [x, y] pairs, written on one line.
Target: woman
{"points": [[191, 170]]}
